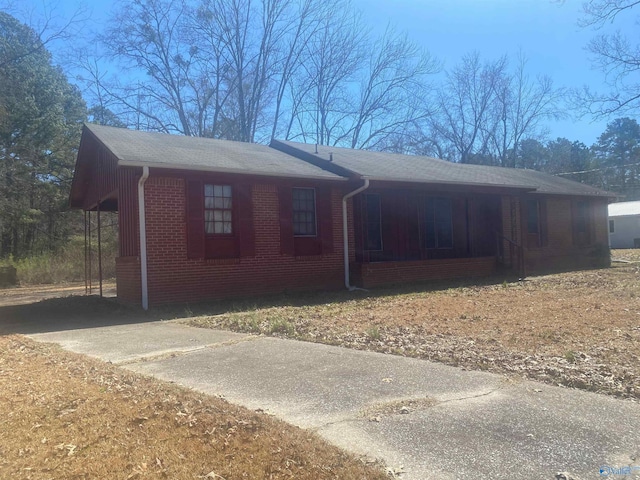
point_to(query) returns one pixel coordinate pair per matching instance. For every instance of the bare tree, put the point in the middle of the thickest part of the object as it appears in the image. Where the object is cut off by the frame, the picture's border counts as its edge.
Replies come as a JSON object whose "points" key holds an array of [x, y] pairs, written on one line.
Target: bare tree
{"points": [[617, 56], [307, 20], [147, 36], [522, 106], [466, 106], [392, 91], [330, 62]]}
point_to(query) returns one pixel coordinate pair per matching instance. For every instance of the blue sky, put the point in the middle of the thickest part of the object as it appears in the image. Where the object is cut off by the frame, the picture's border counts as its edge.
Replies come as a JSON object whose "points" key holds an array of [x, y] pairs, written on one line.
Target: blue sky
{"points": [[546, 31]]}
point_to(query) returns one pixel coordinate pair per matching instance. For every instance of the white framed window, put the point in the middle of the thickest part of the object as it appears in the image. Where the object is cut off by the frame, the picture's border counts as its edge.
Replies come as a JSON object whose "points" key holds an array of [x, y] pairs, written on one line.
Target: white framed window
{"points": [[218, 209], [304, 212]]}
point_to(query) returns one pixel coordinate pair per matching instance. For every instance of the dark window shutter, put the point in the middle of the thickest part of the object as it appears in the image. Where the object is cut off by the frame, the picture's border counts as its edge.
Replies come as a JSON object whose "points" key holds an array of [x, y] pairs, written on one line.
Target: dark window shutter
{"points": [[325, 218], [195, 219], [544, 227], [286, 220], [245, 221]]}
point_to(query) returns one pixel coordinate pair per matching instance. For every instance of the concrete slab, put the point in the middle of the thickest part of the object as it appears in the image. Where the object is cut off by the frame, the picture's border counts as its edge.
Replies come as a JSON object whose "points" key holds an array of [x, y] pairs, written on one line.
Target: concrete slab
{"points": [[462, 424], [313, 384], [126, 343]]}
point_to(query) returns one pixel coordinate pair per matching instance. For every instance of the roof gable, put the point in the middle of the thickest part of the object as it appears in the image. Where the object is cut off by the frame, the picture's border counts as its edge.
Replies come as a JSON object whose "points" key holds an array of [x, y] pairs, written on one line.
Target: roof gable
{"points": [[136, 148]]}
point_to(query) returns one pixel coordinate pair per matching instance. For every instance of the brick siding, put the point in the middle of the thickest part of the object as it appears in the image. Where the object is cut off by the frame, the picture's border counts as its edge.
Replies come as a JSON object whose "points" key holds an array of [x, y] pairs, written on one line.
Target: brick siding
{"points": [[128, 280], [175, 278], [386, 273]]}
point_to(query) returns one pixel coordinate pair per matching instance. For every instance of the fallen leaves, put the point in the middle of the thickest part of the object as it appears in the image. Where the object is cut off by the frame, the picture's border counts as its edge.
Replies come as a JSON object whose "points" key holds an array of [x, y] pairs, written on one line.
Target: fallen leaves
{"points": [[66, 416]]}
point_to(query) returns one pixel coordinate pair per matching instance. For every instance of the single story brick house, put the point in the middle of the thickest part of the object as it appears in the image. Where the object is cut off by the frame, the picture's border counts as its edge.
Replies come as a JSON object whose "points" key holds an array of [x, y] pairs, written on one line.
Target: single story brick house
{"points": [[624, 224], [204, 219]]}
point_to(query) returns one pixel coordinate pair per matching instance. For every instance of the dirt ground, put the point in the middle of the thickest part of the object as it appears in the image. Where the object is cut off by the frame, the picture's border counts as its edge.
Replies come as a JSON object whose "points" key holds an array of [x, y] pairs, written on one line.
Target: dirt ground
{"points": [[65, 416], [31, 294], [578, 329]]}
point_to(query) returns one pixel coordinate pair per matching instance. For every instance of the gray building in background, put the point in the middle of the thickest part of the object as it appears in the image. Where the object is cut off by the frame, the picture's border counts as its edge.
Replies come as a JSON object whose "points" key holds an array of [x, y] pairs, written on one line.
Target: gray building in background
{"points": [[624, 225]]}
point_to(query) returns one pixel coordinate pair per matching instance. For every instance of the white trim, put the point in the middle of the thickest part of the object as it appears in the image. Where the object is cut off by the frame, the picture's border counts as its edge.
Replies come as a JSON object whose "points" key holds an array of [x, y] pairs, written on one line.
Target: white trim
{"points": [[315, 211], [345, 232], [143, 240]]}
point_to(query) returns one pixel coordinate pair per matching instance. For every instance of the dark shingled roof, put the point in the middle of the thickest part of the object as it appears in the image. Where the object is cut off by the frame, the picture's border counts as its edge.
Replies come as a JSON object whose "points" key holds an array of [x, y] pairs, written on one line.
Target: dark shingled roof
{"points": [[415, 169], [160, 150]]}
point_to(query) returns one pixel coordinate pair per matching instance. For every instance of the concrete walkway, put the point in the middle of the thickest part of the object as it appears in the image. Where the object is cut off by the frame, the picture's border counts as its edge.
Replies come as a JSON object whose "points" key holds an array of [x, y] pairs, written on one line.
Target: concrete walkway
{"points": [[455, 425]]}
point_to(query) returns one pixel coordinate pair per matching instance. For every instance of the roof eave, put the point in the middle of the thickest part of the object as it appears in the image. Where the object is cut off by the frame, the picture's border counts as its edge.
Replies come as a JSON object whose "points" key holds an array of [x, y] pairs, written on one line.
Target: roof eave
{"points": [[505, 186], [200, 168]]}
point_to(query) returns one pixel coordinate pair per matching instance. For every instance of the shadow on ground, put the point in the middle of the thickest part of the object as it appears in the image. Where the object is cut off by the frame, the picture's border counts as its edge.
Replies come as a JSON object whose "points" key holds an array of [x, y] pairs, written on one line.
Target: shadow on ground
{"points": [[67, 313], [82, 311]]}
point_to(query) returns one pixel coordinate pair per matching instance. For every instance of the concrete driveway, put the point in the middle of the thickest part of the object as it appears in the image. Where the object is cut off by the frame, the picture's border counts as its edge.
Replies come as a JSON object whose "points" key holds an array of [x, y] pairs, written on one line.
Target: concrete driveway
{"points": [[425, 419]]}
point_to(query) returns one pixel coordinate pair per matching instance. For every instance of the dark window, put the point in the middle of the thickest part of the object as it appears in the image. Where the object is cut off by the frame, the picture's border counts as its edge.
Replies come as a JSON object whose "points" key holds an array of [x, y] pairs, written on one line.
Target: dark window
{"points": [[582, 217], [218, 209], [439, 224], [373, 223], [304, 212], [612, 226], [533, 217]]}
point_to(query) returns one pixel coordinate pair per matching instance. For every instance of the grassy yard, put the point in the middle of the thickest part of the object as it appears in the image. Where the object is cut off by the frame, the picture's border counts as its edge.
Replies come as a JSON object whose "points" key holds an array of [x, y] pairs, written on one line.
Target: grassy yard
{"points": [[578, 329], [70, 417]]}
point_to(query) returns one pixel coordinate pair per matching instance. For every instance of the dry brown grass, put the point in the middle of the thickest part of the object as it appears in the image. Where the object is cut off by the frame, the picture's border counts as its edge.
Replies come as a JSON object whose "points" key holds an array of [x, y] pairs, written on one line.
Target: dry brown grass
{"points": [[580, 329], [70, 417]]}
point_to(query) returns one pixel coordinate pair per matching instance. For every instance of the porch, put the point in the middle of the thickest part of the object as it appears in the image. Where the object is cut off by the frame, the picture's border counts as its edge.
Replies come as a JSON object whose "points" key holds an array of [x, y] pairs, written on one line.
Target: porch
{"points": [[411, 235]]}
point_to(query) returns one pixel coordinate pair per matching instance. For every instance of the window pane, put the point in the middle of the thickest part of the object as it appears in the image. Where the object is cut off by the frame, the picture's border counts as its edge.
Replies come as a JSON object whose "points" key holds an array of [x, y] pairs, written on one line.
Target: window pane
{"points": [[373, 227], [444, 233], [533, 216], [583, 217], [612, 227], [430, 231], [438, 223], [304, 211], [218, 204]]}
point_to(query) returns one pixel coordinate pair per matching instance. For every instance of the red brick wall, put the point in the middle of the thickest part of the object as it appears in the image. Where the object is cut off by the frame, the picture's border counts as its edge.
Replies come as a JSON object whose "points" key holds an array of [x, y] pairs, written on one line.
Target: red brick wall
{"points": [[175, 278], [128, 280], [385, 273]]}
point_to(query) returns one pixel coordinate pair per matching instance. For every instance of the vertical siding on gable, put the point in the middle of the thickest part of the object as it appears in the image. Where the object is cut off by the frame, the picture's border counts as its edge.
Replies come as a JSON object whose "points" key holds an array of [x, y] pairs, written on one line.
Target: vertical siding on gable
{"points": [[128, 222], [103, 176]]}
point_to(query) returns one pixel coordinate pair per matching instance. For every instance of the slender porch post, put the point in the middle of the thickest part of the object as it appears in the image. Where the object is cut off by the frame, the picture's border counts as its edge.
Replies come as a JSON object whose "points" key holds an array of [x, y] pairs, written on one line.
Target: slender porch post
{"points": [[99, 251], [86, 285], [90, 254]]}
